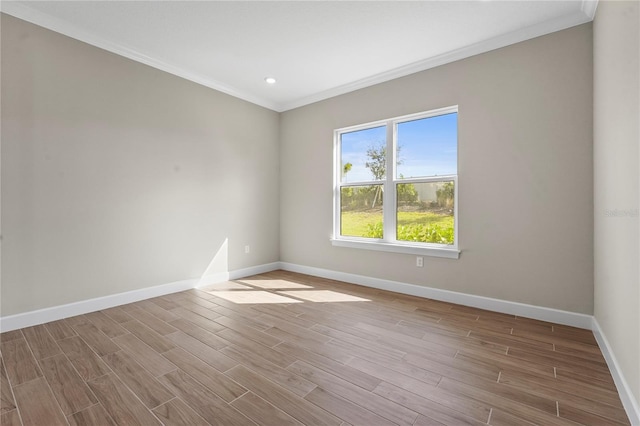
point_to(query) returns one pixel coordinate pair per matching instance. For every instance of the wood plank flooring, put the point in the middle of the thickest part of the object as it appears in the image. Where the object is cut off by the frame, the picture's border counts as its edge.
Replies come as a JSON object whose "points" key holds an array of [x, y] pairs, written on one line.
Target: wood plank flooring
{"points": [[289, 349]]}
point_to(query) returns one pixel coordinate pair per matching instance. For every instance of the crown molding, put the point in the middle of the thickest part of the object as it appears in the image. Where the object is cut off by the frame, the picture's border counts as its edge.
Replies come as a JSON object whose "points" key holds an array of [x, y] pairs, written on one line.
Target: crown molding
{"points": [[26, 13], [589, 7], [484, 46], [22, 11]]}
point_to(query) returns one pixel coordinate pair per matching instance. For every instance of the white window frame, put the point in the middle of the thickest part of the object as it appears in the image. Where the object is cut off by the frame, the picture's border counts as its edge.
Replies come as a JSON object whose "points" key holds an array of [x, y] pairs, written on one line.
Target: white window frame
{"points": [[389, 243]]}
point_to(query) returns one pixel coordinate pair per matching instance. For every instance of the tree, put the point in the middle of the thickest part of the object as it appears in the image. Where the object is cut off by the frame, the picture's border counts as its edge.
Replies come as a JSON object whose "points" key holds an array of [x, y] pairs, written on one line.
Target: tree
{"points": [[346, 169], [377, 165], [445, 195], [407, 193], [378, 168]]}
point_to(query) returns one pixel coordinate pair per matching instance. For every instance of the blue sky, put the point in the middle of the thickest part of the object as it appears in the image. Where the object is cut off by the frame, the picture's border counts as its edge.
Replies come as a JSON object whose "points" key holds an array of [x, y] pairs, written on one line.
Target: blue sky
{"points": [[428, 148]]}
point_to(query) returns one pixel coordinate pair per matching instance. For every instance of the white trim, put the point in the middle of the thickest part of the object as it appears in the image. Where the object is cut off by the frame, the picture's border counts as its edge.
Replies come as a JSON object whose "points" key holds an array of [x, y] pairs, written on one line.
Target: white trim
{"points": [[29, 14], [496, 305], [209, 279], [624, 390], [589, 7], [24, 12], [389, 193], [41, 316], [254, 270], [380, 245], [452, 109], [54, 313], [390, 242], [427, 179], [484, 46], [629, 402]]}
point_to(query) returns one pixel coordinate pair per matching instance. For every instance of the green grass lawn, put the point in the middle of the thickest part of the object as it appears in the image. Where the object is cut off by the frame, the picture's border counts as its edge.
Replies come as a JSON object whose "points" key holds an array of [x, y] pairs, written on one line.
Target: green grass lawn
{"points": [[356, 223]]}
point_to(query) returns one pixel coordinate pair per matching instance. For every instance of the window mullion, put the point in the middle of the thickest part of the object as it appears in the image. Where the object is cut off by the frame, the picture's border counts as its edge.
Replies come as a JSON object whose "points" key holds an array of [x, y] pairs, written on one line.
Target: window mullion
{"points": [[389, 206], [337, 181], [428, 202]]}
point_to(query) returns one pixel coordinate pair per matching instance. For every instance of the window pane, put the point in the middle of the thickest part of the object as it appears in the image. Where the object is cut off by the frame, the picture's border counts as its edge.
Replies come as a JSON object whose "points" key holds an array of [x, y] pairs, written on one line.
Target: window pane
{"points": [[361, 211], [427, 147], [363, 155], [425, 212]]}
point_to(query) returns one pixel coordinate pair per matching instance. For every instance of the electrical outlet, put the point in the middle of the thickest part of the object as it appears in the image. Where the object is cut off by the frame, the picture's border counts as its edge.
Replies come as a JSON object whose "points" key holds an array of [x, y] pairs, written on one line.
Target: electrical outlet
{"points": [[419, 261], [247, 249]]}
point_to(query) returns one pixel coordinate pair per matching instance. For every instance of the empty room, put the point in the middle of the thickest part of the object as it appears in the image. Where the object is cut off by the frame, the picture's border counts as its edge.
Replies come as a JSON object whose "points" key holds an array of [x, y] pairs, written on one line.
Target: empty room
{"points": [[349, 213]]}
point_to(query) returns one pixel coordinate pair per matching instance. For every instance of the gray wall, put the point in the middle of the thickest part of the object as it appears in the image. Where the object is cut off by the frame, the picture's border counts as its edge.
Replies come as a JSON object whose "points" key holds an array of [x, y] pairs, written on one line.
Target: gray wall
{"points": [[117, 176], [617, 182], [525, 173]]}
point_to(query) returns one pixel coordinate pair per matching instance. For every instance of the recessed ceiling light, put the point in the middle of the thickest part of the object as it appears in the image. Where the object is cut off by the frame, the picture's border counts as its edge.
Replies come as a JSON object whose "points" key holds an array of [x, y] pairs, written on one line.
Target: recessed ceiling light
{"points": [[270, 80]]}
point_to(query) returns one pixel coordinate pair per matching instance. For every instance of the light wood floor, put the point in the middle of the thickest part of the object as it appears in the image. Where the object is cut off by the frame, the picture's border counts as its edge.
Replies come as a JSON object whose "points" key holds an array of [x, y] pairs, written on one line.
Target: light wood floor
{"points": [[289, 349]]}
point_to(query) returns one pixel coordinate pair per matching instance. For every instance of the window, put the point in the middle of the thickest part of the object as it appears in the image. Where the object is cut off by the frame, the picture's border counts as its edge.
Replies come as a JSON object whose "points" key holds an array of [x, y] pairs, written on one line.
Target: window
{"points": [[396, 184]]}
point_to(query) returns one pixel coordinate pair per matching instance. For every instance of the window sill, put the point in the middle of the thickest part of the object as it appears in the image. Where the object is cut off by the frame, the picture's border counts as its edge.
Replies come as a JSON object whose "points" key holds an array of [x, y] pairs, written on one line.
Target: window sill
{"points": [[450, 253]]}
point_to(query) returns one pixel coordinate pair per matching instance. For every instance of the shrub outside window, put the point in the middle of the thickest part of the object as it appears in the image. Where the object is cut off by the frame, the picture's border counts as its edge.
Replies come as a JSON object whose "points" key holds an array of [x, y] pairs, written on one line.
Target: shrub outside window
{"points": [[396, 184]]}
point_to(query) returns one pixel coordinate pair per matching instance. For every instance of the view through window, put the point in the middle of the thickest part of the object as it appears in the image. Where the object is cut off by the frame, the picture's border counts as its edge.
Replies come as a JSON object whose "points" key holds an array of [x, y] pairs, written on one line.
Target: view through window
{"points": [[397, 180]]}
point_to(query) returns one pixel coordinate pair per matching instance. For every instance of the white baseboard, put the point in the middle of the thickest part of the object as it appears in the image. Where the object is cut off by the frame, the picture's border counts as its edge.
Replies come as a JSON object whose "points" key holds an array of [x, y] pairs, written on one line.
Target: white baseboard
{"points": [[54, 313], [238, 273], [41, 316], [513, 308], [626, 395], [520, 309], [254, 270], [212, 279]]}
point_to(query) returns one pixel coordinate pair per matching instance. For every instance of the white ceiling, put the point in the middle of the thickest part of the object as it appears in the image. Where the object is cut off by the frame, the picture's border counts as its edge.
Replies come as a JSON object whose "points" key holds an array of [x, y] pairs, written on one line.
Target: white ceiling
{"points": [[315, 49]]}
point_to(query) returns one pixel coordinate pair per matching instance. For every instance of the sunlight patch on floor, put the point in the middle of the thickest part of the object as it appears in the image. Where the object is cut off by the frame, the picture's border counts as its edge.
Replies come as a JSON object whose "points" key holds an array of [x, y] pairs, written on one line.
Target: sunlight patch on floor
{"points": [[323, 296], [226, 285], [252, 297], [274, 284]]}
